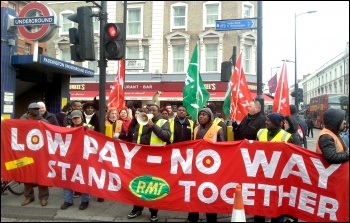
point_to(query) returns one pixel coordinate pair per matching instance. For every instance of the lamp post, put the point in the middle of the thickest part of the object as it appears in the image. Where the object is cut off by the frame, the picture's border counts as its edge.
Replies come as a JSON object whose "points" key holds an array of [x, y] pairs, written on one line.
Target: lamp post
{"points": [[274, 68], [295, 55]]}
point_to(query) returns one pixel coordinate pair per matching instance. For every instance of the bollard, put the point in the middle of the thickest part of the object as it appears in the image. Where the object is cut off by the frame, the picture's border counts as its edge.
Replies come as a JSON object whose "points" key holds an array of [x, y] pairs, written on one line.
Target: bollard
{"points": [[229, 133]]}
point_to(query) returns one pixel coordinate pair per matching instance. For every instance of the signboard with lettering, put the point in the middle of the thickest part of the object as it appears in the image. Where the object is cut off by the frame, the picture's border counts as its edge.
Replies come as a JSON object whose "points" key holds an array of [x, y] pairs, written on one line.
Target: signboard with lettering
{"points": [[135, 64], [41, 19]]}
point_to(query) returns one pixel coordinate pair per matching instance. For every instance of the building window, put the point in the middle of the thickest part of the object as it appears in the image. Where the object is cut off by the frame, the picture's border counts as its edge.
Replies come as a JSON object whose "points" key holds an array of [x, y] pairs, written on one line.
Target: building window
{"points": [[179, 58], [40, 50], [134, 21], [132, 52], [248, 10], [211, 54], [27, 49], [96, 21], [146, 57], [211, 13], [178, 16], [247, 59], [66, 55], [66, 23], [12, 6]]}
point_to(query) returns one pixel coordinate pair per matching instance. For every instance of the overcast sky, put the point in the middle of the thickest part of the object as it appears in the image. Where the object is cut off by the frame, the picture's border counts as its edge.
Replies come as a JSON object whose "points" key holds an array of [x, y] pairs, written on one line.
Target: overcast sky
{"points": [[321, 36]]}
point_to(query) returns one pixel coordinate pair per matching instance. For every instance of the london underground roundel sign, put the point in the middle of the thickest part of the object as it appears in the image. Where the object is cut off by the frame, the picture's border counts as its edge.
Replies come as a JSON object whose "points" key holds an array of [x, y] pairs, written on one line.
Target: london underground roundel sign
{"points": [[36, 21]]}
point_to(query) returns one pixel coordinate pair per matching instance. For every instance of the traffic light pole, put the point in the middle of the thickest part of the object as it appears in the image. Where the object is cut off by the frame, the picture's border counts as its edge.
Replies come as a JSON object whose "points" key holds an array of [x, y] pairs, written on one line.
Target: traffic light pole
{"points": [[102, 66]]}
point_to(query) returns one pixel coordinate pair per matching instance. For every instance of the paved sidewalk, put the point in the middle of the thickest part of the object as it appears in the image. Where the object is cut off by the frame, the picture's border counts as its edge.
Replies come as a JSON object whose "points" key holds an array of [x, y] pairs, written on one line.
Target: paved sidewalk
{"points": [[106, 211]]}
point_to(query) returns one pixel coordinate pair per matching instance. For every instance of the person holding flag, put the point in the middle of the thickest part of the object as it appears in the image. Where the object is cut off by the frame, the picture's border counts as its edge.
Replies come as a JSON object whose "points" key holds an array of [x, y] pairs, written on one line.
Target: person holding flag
{"points": [[195, 95]]}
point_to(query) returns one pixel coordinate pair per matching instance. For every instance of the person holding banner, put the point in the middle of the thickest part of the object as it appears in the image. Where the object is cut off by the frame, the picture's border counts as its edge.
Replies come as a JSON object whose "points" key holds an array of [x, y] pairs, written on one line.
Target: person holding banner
{"points": [[329, 143], [68, 195], [207, 130], [156, 133], [251, 124], [33, 114], [274, 133]]}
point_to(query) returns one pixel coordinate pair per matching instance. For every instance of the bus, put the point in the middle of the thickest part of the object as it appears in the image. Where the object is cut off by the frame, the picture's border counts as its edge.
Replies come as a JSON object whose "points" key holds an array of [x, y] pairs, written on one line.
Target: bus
{"points": [[319, 104]]}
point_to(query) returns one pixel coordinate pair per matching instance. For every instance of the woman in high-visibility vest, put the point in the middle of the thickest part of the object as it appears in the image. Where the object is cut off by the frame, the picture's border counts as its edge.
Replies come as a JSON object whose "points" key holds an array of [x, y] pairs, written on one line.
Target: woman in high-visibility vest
{"points": [[207, 130], [112, 119]]}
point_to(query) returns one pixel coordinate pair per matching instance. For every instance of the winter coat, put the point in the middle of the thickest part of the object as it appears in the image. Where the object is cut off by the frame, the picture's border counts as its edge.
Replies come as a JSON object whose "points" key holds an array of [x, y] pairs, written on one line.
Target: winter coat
{"points": [[293, 129], [162, 132], [249, 127], [332, 120]]}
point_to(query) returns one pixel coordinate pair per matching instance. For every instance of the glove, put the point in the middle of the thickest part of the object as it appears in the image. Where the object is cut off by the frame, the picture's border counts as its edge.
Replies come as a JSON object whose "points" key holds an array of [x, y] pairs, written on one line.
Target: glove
{"points": [[234, 125], [116, 135]]}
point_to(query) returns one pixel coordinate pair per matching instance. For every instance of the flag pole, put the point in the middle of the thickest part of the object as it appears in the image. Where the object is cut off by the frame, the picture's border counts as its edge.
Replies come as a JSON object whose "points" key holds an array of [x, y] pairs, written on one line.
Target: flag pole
{"points": [[283, 68], [197, 87]]}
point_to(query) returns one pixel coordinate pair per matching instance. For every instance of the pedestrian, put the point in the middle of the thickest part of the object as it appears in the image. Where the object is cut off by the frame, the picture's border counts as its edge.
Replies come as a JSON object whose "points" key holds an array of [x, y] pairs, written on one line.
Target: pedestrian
{"points": [[50, 117], [181, 128], [310, 127], [165, 113], [33, 114], [157, 133], [68, 194], [329, 143], [273, 133], [251, 124], [302, 128], [63, 114], [169, 109], [217, 120], [124, 117], [291, 126], [210, 131], [112, 119], [90, 115], [131, 107], [75, 105], [133, 124]]}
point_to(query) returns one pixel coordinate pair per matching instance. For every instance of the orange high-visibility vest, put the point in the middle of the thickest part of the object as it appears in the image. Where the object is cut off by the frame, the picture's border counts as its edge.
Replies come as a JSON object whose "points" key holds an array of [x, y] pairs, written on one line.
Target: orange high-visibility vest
{"points": [[211, 134], [337, 142]]}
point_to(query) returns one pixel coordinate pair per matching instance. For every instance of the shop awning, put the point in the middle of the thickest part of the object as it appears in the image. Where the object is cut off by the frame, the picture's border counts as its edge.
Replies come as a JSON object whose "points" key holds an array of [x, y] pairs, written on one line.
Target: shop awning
{"points": [[90, 95], [266, 98], [170, 96]]}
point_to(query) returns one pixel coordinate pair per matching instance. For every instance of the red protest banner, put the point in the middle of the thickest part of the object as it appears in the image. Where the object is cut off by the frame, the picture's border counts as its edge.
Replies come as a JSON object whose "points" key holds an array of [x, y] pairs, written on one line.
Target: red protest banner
{"points": [[199, 176]]}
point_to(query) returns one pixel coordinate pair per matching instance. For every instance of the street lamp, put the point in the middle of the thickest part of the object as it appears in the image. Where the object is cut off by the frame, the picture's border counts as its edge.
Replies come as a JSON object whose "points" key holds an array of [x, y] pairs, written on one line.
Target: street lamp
{"points": [[295, 55], [274, 68]]}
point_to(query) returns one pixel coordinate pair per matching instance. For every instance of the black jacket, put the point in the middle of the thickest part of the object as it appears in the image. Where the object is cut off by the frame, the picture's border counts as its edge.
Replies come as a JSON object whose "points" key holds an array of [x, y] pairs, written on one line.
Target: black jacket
{"points": [[51, 118], [332, 120], [162, 132], [182, 132], [293, 129], [249, 127]]}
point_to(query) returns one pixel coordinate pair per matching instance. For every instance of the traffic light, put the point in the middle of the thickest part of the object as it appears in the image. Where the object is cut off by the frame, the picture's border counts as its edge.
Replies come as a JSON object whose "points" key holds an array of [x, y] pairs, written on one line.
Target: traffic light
{"points": [[83, 47], [300, 95], [114, 36]]}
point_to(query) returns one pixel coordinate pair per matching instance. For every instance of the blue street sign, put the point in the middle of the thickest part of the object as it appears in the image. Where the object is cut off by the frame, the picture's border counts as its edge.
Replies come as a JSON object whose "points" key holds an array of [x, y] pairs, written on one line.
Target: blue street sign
{"points": [[235, 24]]}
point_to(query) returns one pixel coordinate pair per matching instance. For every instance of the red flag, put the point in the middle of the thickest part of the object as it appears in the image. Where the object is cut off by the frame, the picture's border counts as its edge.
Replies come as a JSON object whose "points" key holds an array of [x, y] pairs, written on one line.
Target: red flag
{"points": [[240, 94], [116, 98], [272, 84], [281, 100]]}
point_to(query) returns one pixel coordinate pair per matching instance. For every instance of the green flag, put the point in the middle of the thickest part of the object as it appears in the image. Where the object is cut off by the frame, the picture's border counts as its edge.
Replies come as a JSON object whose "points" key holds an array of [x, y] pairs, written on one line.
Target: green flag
{"points": [[195, 96], [227, 100]]}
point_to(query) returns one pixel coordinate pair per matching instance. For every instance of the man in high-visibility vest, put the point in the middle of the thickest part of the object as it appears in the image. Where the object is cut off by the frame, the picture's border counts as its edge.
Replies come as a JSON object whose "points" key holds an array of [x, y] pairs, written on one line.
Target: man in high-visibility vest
{"points": [[273, 133], [217, 120], [181, 128], [157, 133], [207, 130], [329, 143]]}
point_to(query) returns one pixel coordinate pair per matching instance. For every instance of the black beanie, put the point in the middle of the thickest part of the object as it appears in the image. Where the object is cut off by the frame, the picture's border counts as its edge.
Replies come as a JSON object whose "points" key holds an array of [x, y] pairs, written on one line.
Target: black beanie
{"points": [[276, 118]]}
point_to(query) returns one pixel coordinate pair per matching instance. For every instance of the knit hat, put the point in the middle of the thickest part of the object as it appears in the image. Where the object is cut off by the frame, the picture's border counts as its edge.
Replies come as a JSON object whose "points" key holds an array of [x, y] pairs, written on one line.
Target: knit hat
{"points": [[276, 118]]}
